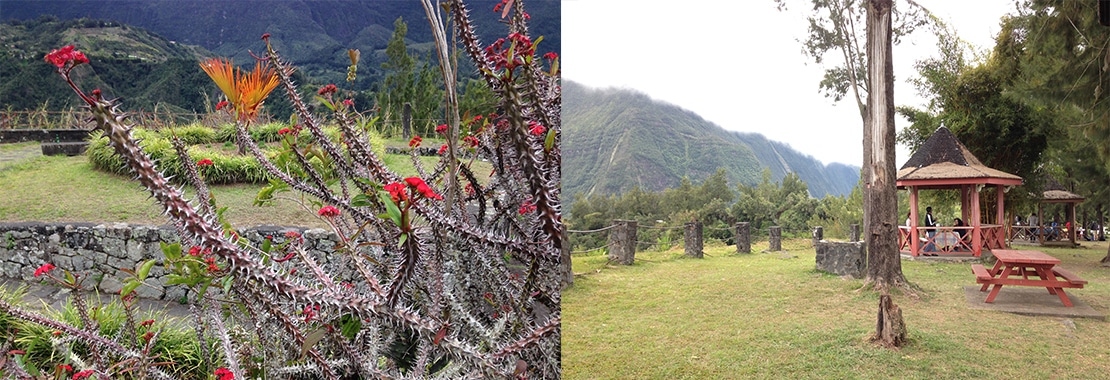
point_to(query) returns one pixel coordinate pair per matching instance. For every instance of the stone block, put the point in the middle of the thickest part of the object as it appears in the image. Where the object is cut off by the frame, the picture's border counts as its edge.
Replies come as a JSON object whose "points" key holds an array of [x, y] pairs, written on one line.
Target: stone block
{"points": [[840, 258], [110, 284]]}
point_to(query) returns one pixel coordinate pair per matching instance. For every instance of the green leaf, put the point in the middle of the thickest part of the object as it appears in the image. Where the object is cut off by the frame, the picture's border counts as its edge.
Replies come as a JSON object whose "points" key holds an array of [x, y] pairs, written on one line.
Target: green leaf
{"points": [[144, 269], [391, 208], [171, 251], [361, 200], [130, 287], [401, 241], [175, 279], [549, 141], [69, 278], [311, 340], [267, 245], [227, 284], [349, 325]]}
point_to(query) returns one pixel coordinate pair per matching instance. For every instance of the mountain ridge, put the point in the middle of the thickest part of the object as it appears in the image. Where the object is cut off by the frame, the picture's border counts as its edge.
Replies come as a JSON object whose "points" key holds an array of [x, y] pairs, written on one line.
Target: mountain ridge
{"points": [[615, 139]]}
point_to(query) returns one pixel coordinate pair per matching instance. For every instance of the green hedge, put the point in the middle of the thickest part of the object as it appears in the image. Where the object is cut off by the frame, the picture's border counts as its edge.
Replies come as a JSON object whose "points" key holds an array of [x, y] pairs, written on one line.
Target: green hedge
{"points": [[226, 168]]}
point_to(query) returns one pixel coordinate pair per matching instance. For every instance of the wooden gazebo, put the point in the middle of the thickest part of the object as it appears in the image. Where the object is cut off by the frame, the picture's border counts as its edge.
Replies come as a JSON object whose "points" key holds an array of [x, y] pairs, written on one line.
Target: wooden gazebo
{"points": [[1059, 196], [943, 163]]}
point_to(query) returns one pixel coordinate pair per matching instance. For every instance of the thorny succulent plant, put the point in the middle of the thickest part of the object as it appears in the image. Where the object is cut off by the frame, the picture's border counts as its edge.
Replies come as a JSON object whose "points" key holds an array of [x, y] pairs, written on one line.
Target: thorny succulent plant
{"points": [[453, 277]]}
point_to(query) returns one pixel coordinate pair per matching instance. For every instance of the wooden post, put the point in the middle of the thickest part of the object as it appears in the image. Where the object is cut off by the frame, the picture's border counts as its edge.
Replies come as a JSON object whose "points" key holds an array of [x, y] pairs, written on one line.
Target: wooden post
{"points": [[976, 227], [694, 242], [915, 242], [622, 242], [743, 238], [567, 279], [406, 121], [853, 234], [776, 239], [818, 235]]}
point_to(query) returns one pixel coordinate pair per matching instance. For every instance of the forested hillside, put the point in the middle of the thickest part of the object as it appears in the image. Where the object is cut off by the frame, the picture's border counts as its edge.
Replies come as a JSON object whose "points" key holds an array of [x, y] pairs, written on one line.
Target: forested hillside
{"points": [[617, 139]]}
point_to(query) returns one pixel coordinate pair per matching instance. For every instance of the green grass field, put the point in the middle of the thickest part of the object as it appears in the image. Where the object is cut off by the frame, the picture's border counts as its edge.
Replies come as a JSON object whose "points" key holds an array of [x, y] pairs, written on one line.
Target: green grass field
{"points": [[773, 315], [68, 189]]}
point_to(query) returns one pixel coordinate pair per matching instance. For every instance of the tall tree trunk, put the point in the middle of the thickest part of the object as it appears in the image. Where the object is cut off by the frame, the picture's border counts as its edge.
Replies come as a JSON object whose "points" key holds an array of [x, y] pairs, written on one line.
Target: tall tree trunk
{"points": [[884, 263]]}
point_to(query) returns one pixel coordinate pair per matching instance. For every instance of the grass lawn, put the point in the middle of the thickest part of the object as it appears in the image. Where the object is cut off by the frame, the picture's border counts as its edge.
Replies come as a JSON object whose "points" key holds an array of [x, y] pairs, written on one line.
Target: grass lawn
{"points": [[774, 316], [68, 189]]}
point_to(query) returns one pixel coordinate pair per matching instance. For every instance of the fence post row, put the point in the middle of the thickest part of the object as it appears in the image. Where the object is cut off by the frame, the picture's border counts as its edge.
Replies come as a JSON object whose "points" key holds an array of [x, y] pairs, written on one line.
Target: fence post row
{"points": [[818, 235], [693, 240], [853, 236], [743, 238], [622, 242], [776, 239]]}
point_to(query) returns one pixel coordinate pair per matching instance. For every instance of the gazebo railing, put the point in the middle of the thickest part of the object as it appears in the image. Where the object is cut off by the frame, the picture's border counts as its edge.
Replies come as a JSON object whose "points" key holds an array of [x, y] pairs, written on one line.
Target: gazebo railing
{"points": [[947, 239]]}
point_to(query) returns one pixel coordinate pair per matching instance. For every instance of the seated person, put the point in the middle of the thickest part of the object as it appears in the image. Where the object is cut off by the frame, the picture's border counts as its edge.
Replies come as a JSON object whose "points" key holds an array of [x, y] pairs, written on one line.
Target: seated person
{"points": [[961, 233]]}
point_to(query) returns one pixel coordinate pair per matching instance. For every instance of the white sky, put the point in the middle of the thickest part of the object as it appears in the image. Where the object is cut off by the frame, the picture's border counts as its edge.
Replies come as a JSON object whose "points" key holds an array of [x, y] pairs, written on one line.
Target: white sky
{"points": [[739, 63]]}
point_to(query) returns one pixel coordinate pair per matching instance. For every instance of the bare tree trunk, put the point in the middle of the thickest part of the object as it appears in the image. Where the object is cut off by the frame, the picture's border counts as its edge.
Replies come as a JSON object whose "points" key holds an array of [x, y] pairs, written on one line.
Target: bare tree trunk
{"points": [[884, 265]]}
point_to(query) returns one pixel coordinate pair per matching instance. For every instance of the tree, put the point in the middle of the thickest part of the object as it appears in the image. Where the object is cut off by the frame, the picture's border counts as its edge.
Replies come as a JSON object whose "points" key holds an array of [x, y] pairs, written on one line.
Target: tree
{"points": [[834, 28], [1065, 64], [404, 83]]}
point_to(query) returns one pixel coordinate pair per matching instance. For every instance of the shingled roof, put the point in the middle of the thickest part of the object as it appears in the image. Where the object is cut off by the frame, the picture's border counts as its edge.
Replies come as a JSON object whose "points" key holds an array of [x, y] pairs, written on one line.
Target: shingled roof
{"points": [[942, 156]]}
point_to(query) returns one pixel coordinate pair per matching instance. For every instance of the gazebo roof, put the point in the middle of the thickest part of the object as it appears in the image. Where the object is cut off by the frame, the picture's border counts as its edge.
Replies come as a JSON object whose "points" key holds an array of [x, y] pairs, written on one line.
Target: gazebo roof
{"points": [[943, 160], [1061, 196]]}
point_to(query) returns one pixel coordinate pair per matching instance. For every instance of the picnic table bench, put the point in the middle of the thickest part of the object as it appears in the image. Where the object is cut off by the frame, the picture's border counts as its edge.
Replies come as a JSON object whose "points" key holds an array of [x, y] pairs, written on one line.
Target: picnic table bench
{"points": [[1015, 267]]}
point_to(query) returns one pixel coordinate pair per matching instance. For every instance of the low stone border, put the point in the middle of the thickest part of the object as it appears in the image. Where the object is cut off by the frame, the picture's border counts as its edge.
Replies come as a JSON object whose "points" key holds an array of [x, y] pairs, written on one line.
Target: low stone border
{"points": [[98, 252], [43, 135]]}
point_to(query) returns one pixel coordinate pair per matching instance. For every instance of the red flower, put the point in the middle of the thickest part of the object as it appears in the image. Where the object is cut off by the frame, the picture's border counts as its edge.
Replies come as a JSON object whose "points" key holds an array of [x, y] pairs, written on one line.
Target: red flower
{"points": [[349, 102], [65, 367], [328, 211], [442, 149], [45, 268], [83, 374], [551, 55], [60, 57], [441, 129], [57, 333], [527, 207], [148, 335], [537, 129], [147, 322], [194, 251], [96, 93], [204, 162], [287, 131], [471, 140], [292, 235], [265, 35], [415, 142], [396, 192], [329, 89], [310, 312], [221, 105], [224, 374], [422, 187]]}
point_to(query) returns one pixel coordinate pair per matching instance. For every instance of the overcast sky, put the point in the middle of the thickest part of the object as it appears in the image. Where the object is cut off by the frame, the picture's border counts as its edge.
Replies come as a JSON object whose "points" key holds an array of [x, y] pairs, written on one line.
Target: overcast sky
{"points": [[739, 64]]}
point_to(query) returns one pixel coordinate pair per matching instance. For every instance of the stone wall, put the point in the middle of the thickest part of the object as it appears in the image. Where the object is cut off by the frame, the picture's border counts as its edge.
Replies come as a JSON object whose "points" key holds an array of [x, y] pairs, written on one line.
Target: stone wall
{"points": [[98, 252], [840, 258], [43, 135]]}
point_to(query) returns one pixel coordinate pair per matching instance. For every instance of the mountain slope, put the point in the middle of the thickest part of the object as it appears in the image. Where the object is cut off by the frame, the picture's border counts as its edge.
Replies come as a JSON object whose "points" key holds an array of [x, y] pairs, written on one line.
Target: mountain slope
{"points": [[615, 139]]}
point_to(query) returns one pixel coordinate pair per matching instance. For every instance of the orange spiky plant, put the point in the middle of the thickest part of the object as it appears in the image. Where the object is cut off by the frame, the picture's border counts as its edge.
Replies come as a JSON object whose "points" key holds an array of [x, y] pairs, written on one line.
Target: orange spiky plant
{"points": [[244, 90]]}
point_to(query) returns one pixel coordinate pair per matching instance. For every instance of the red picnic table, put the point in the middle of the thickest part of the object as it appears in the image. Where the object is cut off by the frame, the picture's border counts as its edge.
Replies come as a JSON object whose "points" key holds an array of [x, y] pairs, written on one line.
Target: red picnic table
{"points": [[1014, 267]]}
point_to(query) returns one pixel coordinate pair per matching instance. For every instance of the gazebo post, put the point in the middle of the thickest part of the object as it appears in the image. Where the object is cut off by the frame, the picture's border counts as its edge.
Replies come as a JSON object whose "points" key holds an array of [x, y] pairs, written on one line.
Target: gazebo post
{"points": [[1071, 220], [976, 232], [1000, 215], [914, 242], [1040, 222]]}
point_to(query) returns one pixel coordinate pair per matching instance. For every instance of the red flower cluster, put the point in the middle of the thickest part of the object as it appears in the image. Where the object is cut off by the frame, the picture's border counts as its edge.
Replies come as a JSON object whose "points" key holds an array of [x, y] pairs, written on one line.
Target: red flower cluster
{"points": [[536, 129], [442, 149], [44, 269], [497, 8], [224, 374], [65, 367], [265, 35], [83, 374], [328, 212], [348, 102], [396, 192], [60, 57], [221, 105], [551, 55], [194, 251], [415, 142], [292, 235], [527, 207], [310, 312], [519, 44], [204, 162], [471, 140], [211, 261], [147, 323], [329, 89], [441, 129], [146, 337], [287, 131], [422, 188]]}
